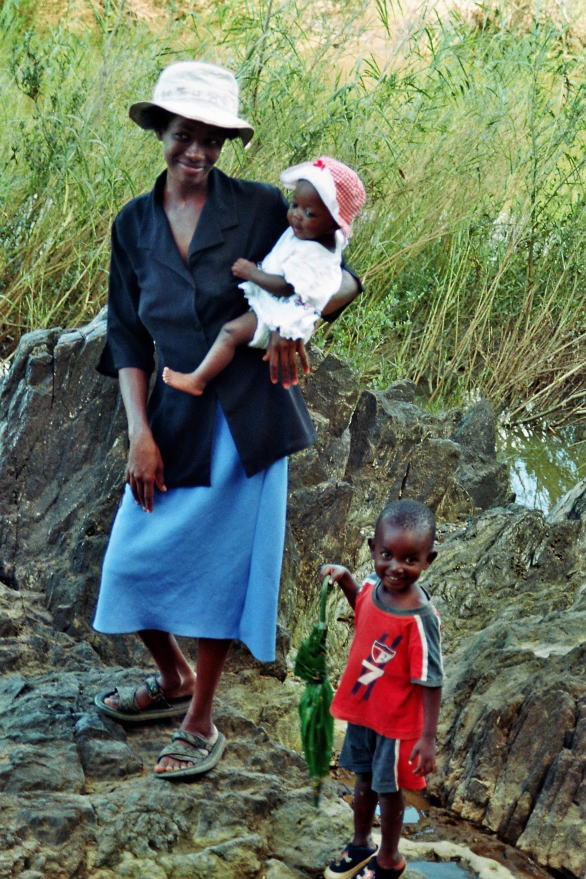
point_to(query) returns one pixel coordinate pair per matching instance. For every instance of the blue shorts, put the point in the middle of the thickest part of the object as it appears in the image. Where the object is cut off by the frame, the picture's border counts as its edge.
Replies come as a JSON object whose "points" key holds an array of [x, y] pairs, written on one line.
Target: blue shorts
{"points": [[366, 751]]}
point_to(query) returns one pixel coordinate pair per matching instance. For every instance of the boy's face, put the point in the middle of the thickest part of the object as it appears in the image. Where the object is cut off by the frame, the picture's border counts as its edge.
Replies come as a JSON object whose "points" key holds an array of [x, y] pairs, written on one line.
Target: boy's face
{"points": [[400, 556]]}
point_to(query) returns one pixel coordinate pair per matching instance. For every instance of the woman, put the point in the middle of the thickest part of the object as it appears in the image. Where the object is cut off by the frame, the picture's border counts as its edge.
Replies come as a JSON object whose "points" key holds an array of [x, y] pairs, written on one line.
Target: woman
{"points": [[210, 471]]}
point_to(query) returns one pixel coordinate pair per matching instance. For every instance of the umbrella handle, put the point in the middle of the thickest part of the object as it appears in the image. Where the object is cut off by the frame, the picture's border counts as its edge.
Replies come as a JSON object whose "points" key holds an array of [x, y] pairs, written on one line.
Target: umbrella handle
{"points": [[326, 588]]}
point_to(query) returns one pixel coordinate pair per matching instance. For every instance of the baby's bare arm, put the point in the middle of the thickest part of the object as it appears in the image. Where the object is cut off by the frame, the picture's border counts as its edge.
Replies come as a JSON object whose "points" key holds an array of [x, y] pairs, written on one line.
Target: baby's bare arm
{"points": [[342, 576], [274, 284]]}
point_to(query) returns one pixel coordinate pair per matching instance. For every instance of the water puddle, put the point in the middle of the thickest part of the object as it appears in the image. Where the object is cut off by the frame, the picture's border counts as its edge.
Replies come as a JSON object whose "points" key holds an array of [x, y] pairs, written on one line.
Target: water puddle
{"points": [[411, 814], [443, 870], [543, 465]]}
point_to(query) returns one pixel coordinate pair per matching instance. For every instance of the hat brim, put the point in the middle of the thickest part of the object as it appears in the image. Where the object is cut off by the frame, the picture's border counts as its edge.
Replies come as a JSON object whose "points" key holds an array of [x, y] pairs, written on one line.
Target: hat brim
{"points": [[218, 118], [322, 182]]}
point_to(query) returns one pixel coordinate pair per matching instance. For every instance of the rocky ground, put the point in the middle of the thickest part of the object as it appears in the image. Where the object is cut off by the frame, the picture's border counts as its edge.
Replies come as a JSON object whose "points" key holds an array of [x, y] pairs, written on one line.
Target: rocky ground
{"points": [[77, 793]]}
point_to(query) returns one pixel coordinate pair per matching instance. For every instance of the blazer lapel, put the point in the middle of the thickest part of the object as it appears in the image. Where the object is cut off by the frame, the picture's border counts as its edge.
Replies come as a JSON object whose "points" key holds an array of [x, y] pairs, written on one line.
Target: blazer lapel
{"points": [[156, 236], [220, 212]]}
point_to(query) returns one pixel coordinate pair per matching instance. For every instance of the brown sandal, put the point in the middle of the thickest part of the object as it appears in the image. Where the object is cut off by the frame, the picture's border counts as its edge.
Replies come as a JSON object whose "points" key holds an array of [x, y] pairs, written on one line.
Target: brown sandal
{"points": [[192, 748], [128, 710]]}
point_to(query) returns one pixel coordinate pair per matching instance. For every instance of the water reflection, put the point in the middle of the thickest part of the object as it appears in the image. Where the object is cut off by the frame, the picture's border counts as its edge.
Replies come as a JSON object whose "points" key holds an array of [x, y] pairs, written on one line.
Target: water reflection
{"points": [[411, 815], [442, 870], [543, 465]]}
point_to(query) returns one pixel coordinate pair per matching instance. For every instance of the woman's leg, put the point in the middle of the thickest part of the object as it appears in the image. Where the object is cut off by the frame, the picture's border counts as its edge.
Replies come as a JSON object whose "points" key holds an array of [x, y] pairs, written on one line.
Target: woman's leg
{"points": [[234, 333], [175, 673], [211, 657]]}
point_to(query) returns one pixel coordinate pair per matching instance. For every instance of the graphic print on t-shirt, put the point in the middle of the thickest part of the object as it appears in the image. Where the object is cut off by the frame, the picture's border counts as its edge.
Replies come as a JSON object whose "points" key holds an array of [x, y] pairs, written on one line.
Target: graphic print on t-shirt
{"points": [[373, 665]]}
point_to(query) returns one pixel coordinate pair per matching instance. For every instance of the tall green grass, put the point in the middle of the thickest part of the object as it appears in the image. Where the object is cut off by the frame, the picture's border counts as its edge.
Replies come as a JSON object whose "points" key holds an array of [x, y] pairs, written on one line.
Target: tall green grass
{"points": [[468, 136]]}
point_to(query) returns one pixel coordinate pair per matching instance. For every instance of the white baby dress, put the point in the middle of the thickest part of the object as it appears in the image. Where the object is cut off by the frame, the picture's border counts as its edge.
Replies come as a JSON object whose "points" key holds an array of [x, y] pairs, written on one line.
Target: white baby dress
{"points": [[314, 272]]}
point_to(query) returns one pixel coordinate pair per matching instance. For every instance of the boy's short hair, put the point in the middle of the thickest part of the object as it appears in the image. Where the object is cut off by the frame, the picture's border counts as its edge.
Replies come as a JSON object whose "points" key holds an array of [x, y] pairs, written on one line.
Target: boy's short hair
{"points": [[409, 515]]}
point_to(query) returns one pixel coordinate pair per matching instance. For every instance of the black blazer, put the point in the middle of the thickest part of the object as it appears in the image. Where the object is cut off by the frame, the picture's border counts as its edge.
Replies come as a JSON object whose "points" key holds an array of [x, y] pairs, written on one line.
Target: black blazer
{"points": [[158, 302]]}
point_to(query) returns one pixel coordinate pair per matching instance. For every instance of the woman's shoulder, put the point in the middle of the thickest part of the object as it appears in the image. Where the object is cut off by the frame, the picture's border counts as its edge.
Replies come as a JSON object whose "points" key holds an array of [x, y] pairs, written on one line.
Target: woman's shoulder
{"points": [[249, 188], [135, 209]]}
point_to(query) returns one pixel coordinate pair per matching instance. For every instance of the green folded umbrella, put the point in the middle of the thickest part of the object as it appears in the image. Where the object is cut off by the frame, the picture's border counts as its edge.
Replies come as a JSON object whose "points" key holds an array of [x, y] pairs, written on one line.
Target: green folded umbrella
{"points": [[317, 724]]}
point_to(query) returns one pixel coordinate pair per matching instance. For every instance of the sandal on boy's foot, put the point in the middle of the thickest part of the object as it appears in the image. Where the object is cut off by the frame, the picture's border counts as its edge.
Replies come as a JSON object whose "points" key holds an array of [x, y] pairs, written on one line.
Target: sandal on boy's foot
{"points": [[349, 862], [191, 748], [128, 710], [373, 871]]}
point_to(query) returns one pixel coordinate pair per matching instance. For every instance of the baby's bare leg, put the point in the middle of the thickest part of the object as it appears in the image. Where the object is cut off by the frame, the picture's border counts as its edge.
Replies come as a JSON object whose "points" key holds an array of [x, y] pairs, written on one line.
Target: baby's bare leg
{"points": [[236, 332]]}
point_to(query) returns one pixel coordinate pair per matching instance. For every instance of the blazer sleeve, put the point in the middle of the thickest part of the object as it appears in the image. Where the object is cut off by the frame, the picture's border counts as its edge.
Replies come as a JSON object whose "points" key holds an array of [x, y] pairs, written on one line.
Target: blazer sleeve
{"points": [[127, 341]]}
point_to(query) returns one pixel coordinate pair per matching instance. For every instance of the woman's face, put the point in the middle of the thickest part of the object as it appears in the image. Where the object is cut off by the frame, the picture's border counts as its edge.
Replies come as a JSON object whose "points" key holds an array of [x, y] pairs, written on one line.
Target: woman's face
{"points": [[191, 150]]}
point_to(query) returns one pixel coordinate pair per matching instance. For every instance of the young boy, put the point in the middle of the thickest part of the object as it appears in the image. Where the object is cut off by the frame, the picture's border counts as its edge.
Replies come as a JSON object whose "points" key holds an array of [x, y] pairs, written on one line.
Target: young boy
{"points": [[390, 691]]}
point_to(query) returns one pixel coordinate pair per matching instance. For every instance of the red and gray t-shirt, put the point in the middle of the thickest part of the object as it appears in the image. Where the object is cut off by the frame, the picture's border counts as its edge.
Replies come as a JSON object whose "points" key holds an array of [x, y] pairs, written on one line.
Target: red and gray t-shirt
{"points": [[394, 653]]}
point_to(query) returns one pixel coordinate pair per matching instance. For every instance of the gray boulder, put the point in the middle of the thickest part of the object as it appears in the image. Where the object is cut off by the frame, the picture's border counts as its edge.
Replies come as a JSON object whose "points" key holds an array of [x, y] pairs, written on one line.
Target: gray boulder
{"points": [[511, 589], [77, 795], [63, 451]]}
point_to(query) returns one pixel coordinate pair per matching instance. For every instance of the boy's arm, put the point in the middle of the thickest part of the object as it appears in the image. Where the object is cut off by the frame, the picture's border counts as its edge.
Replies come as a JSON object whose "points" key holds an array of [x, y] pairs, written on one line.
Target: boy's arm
{"points": [[424, 750], [274, 284], [342, 576]]}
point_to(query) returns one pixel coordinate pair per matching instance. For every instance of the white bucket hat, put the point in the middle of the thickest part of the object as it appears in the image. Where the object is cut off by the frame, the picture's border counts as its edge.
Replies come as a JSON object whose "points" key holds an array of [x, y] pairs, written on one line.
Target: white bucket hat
{"points": [[338, 186], [199, 91]]}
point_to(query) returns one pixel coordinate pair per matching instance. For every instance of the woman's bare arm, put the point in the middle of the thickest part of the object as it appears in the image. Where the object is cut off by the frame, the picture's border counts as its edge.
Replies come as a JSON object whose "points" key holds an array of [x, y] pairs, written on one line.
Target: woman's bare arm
{"points": [[144, 468], [347, 293]]}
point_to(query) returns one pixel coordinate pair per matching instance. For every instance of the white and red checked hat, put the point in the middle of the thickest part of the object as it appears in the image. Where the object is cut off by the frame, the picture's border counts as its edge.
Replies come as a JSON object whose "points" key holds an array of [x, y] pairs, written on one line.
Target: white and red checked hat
{"points": [[338, 186]]}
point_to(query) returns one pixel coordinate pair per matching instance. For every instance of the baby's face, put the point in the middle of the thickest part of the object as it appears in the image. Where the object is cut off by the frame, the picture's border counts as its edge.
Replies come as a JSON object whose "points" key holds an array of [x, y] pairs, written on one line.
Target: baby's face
{"points": [[308, 216], [400, 556]]}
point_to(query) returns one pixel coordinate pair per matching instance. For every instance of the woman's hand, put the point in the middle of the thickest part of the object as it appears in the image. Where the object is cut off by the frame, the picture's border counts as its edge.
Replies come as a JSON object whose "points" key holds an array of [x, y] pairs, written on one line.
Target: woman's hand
{"points": [[281, 355], [144, 469]]}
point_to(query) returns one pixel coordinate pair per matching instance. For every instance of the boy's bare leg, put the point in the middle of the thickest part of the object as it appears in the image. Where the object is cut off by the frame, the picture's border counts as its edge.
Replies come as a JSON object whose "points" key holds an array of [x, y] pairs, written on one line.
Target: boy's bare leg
{"points": [[176, 676], [234, 333], [365, 800], [211, 657], [392, 810]]}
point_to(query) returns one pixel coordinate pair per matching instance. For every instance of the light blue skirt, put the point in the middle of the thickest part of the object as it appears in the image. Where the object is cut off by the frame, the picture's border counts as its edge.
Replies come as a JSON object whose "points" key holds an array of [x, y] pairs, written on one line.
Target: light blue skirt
{"points": [[206, 562]]}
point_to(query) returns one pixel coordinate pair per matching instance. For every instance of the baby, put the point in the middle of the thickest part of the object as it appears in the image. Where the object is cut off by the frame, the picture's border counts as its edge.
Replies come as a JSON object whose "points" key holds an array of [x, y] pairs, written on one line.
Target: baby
{"points": [[300, 274], [390, 691]]}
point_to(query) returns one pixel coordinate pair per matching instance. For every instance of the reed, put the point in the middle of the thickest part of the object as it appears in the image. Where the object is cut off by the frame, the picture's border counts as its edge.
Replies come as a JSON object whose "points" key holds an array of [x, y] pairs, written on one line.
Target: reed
{"points": [[468, 135]]}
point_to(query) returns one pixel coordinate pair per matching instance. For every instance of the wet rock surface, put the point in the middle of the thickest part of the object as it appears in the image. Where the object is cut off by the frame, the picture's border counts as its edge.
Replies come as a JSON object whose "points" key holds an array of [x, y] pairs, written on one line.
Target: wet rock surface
{"points": [[77, 793], [511, 585]]}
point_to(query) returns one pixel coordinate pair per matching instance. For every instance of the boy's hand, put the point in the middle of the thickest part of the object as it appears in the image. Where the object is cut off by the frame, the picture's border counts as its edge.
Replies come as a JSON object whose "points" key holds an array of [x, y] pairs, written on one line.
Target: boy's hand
{"points": [[243, 268], [341, 575], [336, 573], [424, 754]]}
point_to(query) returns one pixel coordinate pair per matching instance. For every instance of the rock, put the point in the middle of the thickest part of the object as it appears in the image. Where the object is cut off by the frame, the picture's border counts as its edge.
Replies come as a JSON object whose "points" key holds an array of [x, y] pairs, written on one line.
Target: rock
{"points": [[77, 792], [478, 472], [101, 819], [512, 758], [61, 442], [571, 506], [399, 450], [62, 455]]}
